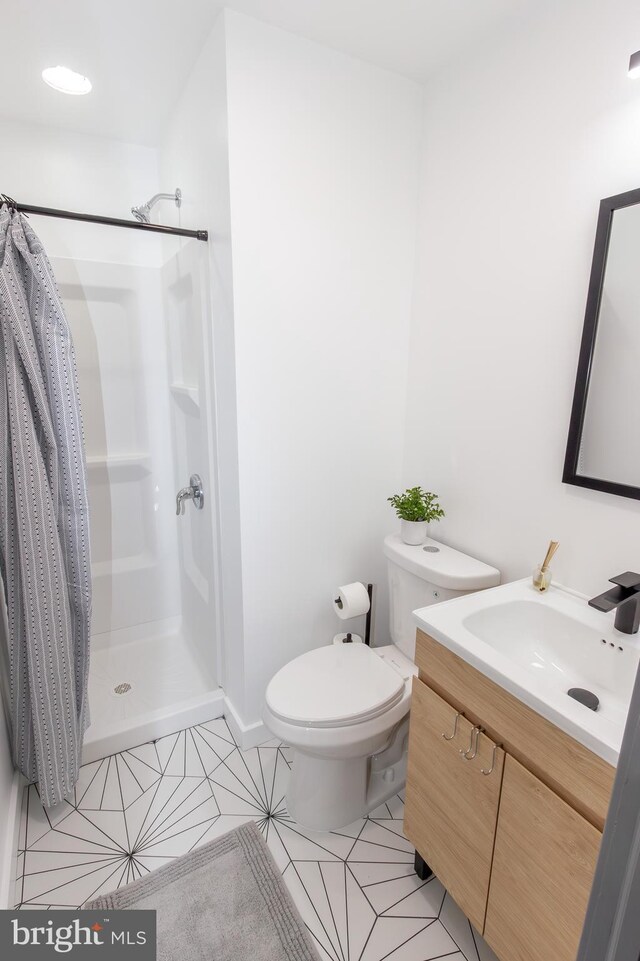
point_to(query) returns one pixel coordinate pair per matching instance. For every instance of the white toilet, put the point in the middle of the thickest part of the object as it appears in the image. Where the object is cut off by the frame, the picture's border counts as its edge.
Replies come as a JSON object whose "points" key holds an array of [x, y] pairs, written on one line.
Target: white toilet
{"points": [[345, 708]]}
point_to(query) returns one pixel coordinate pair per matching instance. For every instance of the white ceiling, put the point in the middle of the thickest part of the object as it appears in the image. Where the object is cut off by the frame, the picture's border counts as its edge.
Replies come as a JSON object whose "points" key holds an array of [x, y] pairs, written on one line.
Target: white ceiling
{"points": [[138, 53]]}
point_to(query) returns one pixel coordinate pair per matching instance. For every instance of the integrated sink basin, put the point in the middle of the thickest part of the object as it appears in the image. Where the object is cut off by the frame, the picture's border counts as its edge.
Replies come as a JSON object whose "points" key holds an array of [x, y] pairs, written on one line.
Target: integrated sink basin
{"points": [[541, 646]]}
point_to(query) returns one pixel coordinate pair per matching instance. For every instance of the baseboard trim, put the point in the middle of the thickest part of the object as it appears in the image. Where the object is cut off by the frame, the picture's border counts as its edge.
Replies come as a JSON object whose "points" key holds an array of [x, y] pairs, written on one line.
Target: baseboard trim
{"points": [[9, 855], [246, 735]]}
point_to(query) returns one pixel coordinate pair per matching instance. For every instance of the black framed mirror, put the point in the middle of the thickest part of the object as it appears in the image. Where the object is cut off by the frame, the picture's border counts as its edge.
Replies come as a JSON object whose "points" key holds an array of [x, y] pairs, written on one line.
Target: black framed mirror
{"points": [[603, 446]]}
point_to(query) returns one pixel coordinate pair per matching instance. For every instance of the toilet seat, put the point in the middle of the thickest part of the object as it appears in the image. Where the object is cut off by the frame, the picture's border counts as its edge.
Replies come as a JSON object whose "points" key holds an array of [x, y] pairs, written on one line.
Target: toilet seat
{"points": [[334, 686]]}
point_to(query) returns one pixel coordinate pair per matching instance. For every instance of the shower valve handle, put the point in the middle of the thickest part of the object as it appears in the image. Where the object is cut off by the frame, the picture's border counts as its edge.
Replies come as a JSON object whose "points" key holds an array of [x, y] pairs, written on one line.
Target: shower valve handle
{"points": [[194, 493]]}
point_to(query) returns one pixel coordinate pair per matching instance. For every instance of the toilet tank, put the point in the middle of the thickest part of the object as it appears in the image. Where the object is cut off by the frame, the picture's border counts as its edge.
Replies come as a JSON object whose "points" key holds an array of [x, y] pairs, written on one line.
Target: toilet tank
{"points": [[427, 574]]}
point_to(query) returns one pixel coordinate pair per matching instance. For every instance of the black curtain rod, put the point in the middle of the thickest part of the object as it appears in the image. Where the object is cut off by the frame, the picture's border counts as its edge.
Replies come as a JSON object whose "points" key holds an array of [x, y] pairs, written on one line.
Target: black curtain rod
{"points": [[110, 221]]}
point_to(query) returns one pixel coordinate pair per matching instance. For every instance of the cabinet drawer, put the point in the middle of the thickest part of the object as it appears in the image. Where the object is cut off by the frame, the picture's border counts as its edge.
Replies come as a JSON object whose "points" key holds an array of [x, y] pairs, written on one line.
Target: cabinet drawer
{"points": [[451, 806], [543, 866], [569, 768]]}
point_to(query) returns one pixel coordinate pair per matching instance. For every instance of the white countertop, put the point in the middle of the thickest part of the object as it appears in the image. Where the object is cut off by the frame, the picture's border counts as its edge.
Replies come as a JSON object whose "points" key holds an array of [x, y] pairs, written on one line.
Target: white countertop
{"points": [[537, 646]]}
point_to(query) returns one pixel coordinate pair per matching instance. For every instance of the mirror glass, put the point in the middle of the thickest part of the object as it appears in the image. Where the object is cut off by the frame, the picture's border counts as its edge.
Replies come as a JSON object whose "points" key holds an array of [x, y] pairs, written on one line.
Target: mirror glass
{"points": [[603, 450], [610, 445]]}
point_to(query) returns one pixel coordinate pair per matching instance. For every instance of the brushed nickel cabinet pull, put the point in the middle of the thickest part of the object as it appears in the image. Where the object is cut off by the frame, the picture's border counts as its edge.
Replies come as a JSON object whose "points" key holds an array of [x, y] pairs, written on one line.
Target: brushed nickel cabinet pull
{"points": [[493, 761], [450, 737], [473, 746]]}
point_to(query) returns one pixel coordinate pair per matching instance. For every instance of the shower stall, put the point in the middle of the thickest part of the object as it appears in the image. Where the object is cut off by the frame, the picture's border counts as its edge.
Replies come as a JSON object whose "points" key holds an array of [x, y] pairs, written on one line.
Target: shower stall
{"points": [[142, 339]]}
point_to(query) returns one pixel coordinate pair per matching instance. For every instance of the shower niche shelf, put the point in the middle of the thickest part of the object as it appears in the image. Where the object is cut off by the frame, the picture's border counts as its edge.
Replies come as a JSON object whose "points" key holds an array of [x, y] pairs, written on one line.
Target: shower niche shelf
{"points": [[95, 461], [188, 395]]}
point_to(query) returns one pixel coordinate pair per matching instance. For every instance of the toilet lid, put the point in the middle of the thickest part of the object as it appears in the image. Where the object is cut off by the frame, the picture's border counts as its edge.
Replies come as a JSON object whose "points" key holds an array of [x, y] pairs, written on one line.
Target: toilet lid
{"points": [[333, 686]]}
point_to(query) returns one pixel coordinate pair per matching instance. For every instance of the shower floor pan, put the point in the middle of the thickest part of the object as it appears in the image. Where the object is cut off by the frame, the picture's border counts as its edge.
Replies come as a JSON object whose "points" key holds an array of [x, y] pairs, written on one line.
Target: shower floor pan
{"points": [[142, 688]]}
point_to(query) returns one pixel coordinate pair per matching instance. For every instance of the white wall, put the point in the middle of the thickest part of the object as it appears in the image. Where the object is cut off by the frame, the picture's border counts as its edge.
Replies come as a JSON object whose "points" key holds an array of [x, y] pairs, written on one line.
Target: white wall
{"points": [[56, 168], [520, 145], [9, 789], [10, 780], [323, 159]]}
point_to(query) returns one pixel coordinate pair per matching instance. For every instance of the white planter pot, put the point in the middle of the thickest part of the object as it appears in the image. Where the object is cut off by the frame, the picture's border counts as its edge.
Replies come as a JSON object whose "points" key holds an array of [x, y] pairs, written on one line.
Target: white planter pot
{"points": [[413, 532]]}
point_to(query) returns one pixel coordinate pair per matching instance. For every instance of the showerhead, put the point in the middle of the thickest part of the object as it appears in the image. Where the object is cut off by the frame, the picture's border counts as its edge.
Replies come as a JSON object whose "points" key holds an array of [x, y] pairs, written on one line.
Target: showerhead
{"points": [[142, 211]]}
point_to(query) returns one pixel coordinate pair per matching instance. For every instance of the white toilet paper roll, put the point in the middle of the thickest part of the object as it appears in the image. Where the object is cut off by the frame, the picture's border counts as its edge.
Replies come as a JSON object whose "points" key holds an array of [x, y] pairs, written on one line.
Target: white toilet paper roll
{"points": [[352, 600], [342, 639]]}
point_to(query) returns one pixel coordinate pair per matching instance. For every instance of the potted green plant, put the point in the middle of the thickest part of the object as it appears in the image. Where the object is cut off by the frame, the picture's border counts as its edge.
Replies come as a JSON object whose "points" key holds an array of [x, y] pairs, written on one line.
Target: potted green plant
{"points": [[416, 509]]}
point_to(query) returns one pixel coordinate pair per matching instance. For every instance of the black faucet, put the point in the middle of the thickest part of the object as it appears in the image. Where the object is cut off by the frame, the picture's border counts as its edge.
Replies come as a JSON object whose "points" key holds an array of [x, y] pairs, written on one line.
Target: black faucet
{"points": [[625, 597]]}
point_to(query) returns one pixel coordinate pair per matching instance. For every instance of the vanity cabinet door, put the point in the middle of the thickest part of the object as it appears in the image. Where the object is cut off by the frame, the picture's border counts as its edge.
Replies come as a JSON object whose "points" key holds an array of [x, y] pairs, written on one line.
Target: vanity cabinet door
{"points": [[543, 866], [451, 806]]}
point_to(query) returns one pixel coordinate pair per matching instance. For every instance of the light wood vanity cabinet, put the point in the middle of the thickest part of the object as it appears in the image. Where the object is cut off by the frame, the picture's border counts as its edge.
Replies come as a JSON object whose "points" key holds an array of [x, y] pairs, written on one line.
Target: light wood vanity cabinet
{"points": [[515, 848]]}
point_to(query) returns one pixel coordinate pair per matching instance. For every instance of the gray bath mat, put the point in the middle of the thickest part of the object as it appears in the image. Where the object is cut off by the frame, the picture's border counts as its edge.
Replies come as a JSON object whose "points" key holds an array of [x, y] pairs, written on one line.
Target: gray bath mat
{"points": [[225, 901]]}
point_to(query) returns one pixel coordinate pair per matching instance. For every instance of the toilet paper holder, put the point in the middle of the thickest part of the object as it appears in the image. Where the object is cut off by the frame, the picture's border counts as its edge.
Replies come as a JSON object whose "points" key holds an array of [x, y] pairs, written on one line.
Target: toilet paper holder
{"points": [[367, 624]]}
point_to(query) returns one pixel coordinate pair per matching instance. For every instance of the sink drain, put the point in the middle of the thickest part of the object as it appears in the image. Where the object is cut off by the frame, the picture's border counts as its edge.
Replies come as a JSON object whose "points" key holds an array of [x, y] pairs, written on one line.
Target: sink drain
{"points": [[123, 688], [588, 698]]}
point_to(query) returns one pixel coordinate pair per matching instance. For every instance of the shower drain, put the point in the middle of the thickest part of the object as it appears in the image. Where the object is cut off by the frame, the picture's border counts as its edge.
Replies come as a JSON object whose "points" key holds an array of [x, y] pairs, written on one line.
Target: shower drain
{"points": [[123, 688]]}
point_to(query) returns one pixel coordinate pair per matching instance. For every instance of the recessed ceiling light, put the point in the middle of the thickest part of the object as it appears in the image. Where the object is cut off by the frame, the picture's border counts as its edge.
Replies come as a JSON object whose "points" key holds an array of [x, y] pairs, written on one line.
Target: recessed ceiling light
{"points": [[65, 80], [634, 65]]}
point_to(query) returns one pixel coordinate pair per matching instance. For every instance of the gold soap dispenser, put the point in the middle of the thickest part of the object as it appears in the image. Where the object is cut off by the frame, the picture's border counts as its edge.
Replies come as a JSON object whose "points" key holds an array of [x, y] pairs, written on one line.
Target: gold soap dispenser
{"points": [[542, 574]]}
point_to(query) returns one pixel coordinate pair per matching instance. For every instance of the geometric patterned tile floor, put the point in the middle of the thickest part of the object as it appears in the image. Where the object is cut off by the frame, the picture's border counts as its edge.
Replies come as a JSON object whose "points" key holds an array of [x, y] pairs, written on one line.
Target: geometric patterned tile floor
{"points": [[355, 888]]}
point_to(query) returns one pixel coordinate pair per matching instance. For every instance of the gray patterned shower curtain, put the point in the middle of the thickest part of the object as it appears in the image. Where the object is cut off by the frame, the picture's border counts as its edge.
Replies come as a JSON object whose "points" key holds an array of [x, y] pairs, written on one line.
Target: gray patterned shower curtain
{"points": [[44, 518]]}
